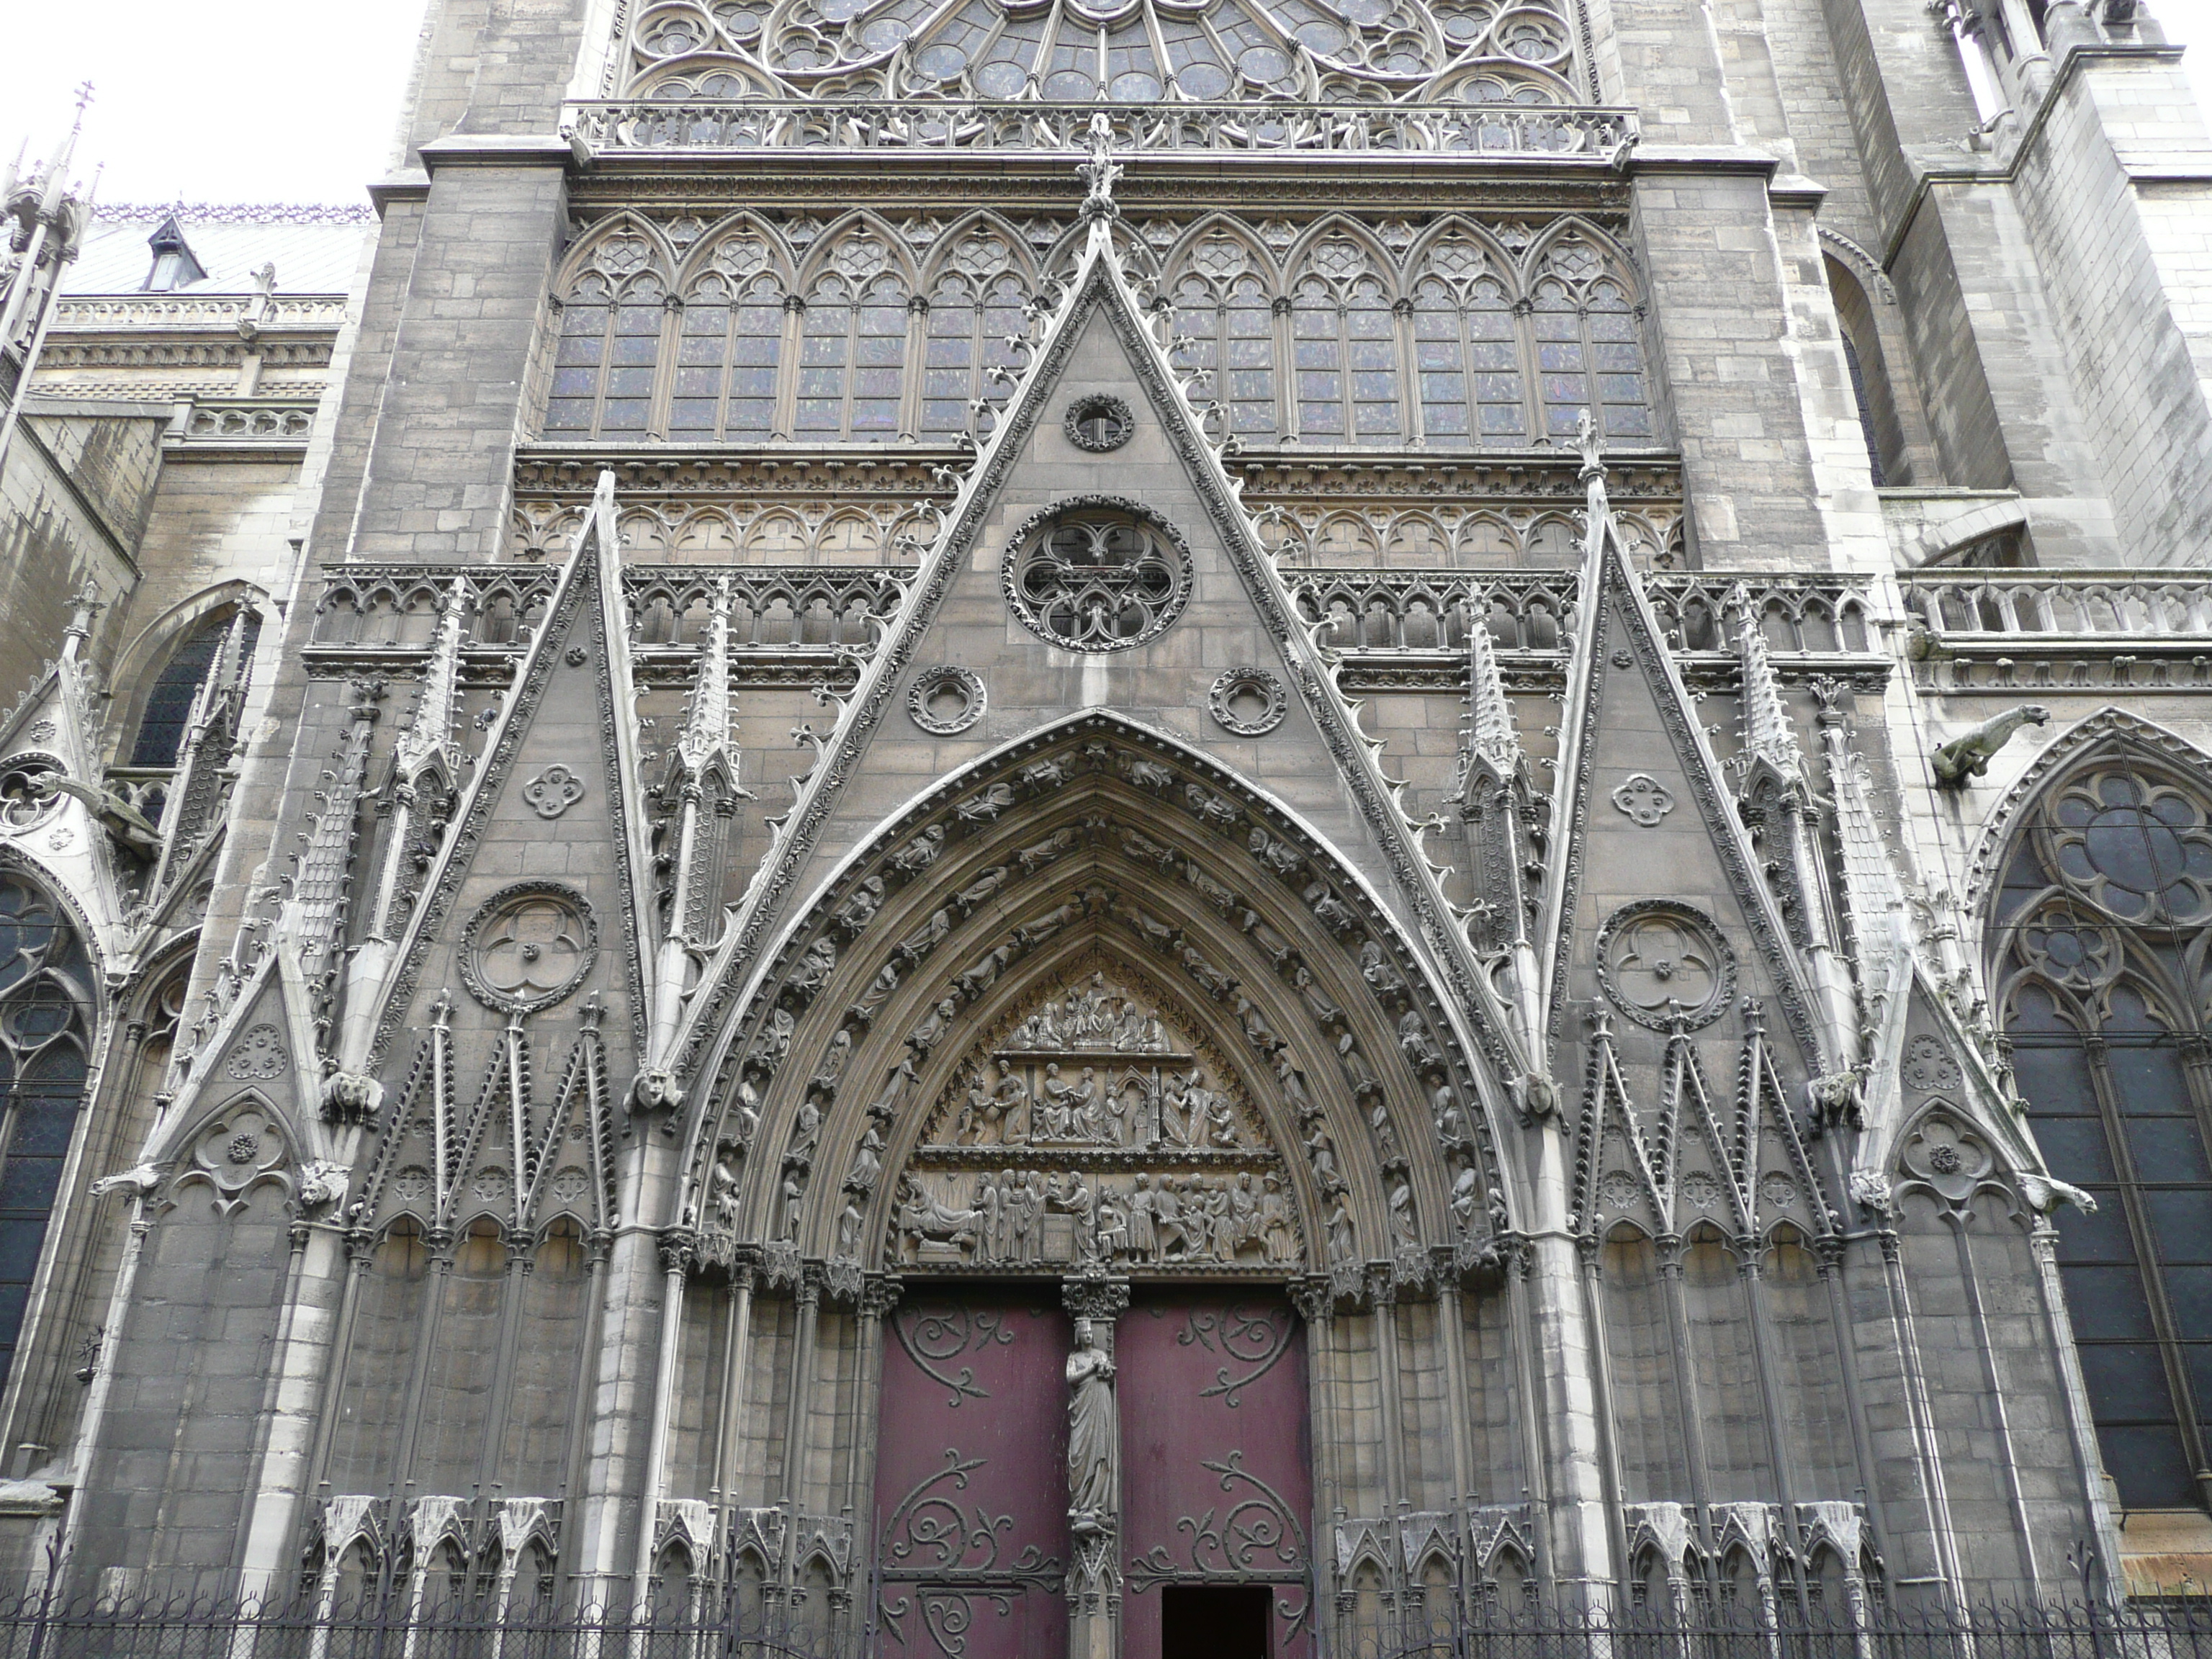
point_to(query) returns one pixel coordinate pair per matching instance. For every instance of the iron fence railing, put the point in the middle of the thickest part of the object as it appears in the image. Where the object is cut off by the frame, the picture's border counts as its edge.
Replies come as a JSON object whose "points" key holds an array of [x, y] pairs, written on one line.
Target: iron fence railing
{"points": [[404, 1626], [1781, 1623], [1777, 1622]]}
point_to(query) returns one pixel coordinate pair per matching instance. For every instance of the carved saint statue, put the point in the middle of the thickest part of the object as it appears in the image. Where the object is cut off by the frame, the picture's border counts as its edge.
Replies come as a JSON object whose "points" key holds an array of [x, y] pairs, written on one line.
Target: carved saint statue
{"points": [[1093, 1428]]}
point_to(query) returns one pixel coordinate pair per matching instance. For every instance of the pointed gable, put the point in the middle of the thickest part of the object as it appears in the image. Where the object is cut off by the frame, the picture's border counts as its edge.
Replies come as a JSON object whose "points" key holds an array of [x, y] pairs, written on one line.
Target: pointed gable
{"points": [[1221, 618]]}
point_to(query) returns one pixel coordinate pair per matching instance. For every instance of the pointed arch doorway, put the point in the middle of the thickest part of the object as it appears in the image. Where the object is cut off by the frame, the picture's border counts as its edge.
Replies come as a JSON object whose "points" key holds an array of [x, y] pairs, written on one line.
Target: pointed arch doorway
{"points": [[1093, 1437]]}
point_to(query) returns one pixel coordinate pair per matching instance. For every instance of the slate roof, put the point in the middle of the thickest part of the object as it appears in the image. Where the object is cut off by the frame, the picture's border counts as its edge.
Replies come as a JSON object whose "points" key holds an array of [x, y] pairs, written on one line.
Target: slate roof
{"points": [[315, 249]]}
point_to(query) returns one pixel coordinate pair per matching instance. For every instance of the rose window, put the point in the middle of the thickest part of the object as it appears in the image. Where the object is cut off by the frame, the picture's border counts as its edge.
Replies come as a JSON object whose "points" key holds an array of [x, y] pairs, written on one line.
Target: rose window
{"points": [[1096, 575], [1124, 52]]}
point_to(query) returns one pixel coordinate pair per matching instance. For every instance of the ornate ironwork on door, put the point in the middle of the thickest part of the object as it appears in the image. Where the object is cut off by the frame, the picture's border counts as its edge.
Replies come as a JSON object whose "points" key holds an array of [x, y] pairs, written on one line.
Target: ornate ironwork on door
{"points": [[971, 1505], [1217, 1477]]}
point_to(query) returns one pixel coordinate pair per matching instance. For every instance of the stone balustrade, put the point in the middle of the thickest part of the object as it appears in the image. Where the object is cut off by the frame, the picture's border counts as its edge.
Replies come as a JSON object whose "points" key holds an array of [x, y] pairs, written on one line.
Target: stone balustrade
{"points": [[1490, 130]]}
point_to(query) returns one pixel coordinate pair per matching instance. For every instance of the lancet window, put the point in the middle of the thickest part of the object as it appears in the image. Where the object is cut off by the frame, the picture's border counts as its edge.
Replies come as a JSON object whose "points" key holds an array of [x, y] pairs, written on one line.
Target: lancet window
{"points": [[852, 358], [45, 1036], [2099, 946], [1344, 349], [971, 320], [1332, 340], [163, 722], [1224, 311]]}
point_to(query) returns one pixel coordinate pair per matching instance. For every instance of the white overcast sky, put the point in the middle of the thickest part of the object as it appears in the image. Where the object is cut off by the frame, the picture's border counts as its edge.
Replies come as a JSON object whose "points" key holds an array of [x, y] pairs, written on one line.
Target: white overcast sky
{"points": [[268, 101]]}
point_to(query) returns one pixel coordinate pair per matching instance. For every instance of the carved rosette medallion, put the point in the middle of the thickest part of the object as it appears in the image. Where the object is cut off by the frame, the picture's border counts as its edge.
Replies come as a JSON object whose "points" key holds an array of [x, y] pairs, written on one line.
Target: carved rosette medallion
{"points": [[946, 699], [528, 946], [1089, 1132], [1097, 573], [1664, 965], [1249, 702], [553, 791], [258, 1056], [1644, 799]]}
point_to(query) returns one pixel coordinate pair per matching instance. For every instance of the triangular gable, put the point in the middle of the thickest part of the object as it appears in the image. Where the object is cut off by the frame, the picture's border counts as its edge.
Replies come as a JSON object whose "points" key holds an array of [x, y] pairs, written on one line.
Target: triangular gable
{"points": [[1647, 813], [1239, 614], [555, 796]]}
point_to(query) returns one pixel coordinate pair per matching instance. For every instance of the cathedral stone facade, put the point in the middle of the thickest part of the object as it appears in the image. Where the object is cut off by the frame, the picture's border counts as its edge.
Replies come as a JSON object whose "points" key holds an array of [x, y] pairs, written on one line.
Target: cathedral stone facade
{"points": [[1001, 826]]}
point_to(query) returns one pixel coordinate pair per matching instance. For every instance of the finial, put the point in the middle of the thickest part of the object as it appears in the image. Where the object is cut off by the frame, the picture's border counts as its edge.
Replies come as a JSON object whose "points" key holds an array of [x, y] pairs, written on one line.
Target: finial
{"points": [[1101, 172], [85, 604], [1587, 445]]}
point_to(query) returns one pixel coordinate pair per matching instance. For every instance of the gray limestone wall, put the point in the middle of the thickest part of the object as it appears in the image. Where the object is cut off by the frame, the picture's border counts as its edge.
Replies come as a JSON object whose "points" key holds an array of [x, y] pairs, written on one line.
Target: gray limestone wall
{"points": [[74, 491], [2137, 361]]}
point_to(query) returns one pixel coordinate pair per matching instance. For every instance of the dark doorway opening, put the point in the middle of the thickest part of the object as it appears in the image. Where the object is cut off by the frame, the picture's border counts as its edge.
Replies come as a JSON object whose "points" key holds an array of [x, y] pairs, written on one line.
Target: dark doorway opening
{"points": [[1206, 1621]]}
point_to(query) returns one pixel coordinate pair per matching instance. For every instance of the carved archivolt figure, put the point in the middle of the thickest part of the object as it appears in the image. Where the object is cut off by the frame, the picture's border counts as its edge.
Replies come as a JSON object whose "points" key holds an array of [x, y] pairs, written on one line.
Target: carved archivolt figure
{"points": [[1093, 1433]]}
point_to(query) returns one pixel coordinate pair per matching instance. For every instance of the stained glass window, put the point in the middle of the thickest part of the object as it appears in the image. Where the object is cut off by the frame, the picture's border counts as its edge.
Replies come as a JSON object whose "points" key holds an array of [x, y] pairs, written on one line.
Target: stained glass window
{"points": [[852, 358], [969, 324], [1335, 341], [46, 1017], [168, 712], [607, 359], [726, 349], [2101, 930]]}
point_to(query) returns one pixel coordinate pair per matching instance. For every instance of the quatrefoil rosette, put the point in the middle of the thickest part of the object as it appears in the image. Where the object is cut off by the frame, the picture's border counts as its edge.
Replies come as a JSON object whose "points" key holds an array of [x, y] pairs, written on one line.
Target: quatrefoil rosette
{"points": [[528, 946], [1664, 964]]}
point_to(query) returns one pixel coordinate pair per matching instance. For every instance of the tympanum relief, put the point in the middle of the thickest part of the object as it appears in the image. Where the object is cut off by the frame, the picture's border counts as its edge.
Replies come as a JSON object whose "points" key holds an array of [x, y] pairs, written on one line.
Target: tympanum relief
{"points": [[1088, 1129]]}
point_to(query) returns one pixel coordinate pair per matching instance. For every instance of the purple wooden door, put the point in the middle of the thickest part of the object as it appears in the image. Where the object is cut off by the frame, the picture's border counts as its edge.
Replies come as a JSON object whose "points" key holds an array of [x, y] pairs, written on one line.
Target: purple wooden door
{"points": [[972, 1505], [1217, 1478]]}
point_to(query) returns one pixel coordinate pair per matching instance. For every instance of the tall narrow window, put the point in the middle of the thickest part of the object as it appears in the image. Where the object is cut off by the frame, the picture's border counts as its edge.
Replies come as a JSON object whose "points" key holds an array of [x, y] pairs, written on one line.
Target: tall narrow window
{"points": [[1466, 350], [45, 1039], [1346, 344], [1226, 313], [607, 358], [852, 358], [2099, 940], [969, 324], [162, 723], [1588, 341], [727, 349]]}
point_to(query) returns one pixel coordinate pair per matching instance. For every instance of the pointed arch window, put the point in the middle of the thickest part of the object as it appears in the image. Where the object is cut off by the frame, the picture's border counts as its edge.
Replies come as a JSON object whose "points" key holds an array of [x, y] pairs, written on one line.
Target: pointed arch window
{"points": [[1226, 314], [45, 1043], [1344, 340], [608, 357], [971, 321], [727, 348], [2099, 940], [163, 723], [851, 357], [1467, 351]]}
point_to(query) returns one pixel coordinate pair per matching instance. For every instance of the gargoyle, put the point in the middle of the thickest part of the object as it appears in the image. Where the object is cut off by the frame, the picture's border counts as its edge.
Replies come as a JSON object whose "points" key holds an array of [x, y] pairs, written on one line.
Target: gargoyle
{"points": [[1535, 1098], [137, 1181], [128, 827], [1967, 757], [1870, 1188], [2044, 1195], [655, 1091], [323, 1185]]}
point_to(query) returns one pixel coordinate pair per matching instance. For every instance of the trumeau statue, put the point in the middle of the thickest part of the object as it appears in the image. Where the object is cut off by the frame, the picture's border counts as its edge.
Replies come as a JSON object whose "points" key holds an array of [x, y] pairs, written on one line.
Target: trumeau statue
{"points": [[1094, 1455]]}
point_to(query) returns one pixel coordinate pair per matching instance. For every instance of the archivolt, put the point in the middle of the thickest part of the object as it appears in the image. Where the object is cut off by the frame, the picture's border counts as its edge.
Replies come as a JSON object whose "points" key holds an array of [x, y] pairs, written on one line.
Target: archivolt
{"points": [[1097, 833]]}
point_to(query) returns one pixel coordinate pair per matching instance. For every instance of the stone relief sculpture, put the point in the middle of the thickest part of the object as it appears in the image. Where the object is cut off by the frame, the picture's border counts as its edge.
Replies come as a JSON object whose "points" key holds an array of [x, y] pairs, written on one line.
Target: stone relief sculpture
{"points": [[1090, 1131]]}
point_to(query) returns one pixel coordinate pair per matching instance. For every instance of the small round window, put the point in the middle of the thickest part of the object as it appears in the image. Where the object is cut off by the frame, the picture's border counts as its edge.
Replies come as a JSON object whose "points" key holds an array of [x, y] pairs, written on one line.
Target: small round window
{"points": [[1099, 423], [1096, 573]]}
